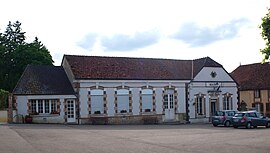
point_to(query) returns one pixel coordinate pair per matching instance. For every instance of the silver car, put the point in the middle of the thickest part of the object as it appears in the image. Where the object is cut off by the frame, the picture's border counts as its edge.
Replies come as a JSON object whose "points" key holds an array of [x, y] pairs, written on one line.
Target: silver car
{"points": [[250, 119], [223, 117]]}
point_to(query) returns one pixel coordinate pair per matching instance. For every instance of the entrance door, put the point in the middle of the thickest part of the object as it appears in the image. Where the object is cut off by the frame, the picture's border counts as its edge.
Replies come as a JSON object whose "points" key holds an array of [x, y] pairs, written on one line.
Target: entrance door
{"points": [[213, 106], [71, 117], [169, 105]]}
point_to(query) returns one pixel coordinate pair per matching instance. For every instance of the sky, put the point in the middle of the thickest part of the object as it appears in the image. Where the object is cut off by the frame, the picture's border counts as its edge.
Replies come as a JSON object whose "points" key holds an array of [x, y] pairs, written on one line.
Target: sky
{"points": [[225, 30]]}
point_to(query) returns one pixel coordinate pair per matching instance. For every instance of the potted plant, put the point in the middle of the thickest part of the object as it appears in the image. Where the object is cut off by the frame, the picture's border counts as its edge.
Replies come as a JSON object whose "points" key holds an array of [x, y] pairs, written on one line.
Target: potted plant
{"points": [[34, 113], [54, 112], [28, 119]]}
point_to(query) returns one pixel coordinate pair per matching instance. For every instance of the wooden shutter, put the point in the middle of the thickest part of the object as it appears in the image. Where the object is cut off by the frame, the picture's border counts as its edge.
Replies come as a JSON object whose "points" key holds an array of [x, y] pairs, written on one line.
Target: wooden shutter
{"points": [[261, 108], [267, 109]]}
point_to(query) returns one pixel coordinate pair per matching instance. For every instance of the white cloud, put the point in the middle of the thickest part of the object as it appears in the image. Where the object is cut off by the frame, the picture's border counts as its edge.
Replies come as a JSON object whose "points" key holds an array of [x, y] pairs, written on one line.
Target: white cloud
{"points": [[196, 36], [64, 26]]}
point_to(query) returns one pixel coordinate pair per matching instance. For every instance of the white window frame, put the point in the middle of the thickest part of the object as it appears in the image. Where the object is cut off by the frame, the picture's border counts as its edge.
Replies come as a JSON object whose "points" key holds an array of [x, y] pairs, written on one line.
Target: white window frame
{"points": [[257, 93], [40, 108], [200, 105], [227, 102]]}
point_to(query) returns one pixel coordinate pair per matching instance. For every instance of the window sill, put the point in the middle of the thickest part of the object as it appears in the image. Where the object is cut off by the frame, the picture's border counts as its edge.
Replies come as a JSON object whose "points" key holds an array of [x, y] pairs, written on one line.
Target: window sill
{"points": [[45, 115], [98, 115], [148, 113], [123, 114], [201, 116]]}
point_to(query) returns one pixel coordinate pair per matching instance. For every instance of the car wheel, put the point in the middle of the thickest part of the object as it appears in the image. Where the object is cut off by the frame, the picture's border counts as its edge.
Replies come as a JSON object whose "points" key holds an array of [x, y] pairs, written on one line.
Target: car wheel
{"points": [[248, 126], [215, 125], [268, 125], [227, 123]]}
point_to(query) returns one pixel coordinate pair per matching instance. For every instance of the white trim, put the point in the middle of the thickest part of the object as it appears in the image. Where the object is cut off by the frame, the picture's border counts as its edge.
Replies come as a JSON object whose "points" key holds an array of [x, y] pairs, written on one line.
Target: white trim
{"points": [[96, 92], [122, 92], [131, 81]]}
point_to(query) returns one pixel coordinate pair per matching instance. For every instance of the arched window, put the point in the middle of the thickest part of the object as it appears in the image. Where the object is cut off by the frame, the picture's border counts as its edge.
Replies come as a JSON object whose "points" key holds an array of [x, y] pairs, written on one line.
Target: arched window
{"points": [[227, 102], [97, 101], [147, 100], [200, 105], [122, 100]]}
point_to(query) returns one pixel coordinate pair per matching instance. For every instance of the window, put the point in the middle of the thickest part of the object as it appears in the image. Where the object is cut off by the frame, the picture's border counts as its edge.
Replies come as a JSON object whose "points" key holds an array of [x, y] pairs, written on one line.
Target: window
{"points": [[33, 106], [53, 106], [227, 102], [252, 115], [97, 101], [47, 106], [168, 99], [123, 100], [43, 106], [200, 104], [231, 113], [40, 106], [147, 100], [257, 93]]}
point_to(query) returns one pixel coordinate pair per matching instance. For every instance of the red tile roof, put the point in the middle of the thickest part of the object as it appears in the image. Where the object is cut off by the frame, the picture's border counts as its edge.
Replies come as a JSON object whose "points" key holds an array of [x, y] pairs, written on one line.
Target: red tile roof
{"points": [[252, 76], [116, 68]]}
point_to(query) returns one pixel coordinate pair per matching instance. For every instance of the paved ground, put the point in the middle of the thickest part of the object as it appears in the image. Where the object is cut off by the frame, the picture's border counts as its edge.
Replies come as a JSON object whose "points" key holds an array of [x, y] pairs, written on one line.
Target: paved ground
{"points": [[44, 138]]}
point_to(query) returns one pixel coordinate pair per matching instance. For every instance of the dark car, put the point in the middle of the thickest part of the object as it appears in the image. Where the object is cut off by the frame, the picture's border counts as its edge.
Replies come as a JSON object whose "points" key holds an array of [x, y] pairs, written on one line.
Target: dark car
{"points": [[250, 119], [223, 117]]}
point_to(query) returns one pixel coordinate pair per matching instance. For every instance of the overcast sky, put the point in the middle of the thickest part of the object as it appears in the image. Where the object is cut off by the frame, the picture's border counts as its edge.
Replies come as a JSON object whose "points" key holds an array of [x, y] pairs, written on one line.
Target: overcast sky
{"points": [[225, 30]]}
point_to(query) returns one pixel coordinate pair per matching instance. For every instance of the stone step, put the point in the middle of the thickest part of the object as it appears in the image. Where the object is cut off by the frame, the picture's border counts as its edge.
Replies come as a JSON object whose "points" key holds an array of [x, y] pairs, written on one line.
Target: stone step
{"points": [[172, 122]]}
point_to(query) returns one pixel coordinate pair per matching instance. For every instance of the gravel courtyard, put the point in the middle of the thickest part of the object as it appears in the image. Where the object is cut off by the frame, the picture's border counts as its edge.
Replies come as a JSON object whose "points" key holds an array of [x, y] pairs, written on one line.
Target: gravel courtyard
{"points": [[198, 138]]}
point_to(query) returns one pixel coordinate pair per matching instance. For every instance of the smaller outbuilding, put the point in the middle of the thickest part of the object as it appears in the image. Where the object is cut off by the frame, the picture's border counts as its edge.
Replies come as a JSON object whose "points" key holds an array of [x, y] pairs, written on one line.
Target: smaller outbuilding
{"points": [[254, 87], [45, 93]]}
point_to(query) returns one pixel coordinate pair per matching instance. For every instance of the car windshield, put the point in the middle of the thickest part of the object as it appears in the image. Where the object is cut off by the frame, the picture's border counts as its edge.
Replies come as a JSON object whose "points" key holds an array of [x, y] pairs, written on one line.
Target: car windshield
{"points": [[239, 114], [219, 113]]}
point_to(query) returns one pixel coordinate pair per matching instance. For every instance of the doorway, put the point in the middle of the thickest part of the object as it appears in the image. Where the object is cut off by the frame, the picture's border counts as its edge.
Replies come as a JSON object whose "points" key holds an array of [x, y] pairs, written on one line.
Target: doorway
{"points": [[213, 106], [168, 102], [71, 115]]}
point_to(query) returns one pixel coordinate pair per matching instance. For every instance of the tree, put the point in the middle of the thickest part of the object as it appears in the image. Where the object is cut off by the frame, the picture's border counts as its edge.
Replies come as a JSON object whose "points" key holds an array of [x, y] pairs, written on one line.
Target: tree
{"points": [[265, 26], [16, 54], [3, 99]]}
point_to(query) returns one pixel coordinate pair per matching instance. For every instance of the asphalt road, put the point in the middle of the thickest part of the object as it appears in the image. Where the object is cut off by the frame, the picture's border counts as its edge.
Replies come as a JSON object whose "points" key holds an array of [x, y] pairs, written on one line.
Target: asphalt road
{"points": [[193, 138]]}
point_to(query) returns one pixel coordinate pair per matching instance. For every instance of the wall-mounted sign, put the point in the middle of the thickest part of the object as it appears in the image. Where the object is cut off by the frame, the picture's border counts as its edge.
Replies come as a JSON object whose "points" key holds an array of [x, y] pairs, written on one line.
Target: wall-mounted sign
{"points": [[213, 84]]}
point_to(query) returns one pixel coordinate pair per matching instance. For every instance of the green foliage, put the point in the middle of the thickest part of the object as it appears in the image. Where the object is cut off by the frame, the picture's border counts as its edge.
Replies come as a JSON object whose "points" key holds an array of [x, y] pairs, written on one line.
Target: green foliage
{"points": [[3, 99], [16, 54], [265, 26]]}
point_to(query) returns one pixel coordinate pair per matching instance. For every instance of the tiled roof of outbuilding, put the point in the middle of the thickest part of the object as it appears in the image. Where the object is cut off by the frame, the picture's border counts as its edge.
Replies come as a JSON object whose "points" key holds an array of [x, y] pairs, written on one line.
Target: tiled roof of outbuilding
{"points": [[116, 68], [252, 76], [43, 80]]}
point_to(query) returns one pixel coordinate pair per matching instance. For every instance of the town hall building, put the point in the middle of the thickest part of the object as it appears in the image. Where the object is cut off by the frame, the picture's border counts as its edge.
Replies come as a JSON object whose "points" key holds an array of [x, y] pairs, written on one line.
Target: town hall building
{"points": [[121, 90]]}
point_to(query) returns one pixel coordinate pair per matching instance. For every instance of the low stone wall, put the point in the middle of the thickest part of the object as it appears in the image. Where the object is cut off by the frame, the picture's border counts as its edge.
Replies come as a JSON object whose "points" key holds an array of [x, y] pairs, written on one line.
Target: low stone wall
{"points": [[200, 120], [182, 117], [48, 119], [3, 116], [122, 119]]}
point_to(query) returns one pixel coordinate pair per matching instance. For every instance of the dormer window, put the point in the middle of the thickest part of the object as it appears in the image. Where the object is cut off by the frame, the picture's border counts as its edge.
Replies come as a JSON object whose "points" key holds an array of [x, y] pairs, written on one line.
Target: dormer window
{"points": [[257, 93]]}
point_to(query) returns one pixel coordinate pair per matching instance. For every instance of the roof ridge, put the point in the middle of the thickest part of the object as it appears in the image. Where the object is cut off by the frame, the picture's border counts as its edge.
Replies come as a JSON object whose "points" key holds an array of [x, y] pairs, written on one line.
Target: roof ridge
{"points": [[152, 58]]}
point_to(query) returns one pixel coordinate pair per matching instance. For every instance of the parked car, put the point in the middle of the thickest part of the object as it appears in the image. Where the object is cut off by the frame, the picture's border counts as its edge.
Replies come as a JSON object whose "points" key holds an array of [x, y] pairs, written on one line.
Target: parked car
{"points": [[223, 117], [250, 119]]}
